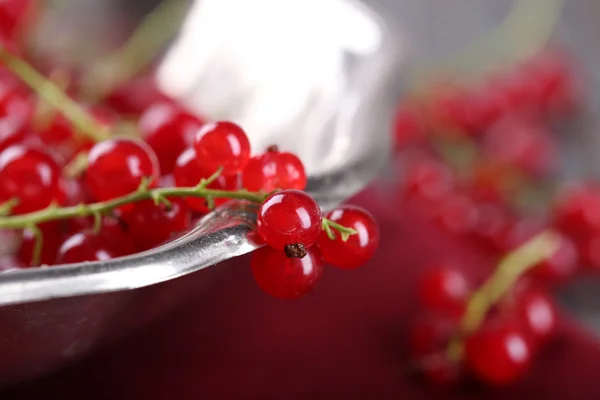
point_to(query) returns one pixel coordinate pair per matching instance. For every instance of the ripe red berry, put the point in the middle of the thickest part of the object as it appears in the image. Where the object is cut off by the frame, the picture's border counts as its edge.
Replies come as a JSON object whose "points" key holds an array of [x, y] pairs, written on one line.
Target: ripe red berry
{"points": [[187, 173], [12, 131], [498, 353], [360, 247], [577, 211], [283, 277], [15, 101], [274, 170], [561, 265], [444, 288], [30, 175], [429, 336], [134, 97], [169, 130], [289, 217], [408, 126], [86, 246], [150, 225], [222, 144], [13, 14], [52, 238], [535, 311], [116, 167], [457, 214], [428, 179]]}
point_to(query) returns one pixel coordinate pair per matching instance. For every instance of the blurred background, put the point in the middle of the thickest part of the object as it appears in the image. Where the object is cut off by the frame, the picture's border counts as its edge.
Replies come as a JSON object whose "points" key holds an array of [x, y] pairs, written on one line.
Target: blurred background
{"points": [[482, 116]]}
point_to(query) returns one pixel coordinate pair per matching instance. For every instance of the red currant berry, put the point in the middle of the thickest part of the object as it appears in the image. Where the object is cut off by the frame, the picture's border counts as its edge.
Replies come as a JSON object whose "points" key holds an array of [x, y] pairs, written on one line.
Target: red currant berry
{"points": [[52, 239], [535, 311], [187, 173], [498, 353], [283, 277], [429, 336], [289, 217], [116, 167], [274, 170], [149, 224], [15, 101], [8, 263], [29, 175], [522, 143], [135, 96], [561, 265], [428, 179], [408, 127], [169, 130], [13, 13], [360, 247], [577, 212], [12, 131], [444, 288], [222, 144], [86, 246], [457, 214]]}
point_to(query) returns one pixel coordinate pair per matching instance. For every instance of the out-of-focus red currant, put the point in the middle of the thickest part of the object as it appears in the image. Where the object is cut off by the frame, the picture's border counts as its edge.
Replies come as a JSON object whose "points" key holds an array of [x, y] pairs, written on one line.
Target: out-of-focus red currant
{"points": [[408, 126], [169, 130], [457, 214], [289, 217], [116, 167], [222, 144], [134, 97], [187, 173], [29, 175], [274, 170], [150, 224], [429, 336], [522, 143], [360, 247], [535, 311], [577, 211], [12, 131], [13, 14], [52, 238], [444, 288], [283, 277], [15, 101], [498, 353], [87, 246], [8, 263], [561, 265], [428, 179]]}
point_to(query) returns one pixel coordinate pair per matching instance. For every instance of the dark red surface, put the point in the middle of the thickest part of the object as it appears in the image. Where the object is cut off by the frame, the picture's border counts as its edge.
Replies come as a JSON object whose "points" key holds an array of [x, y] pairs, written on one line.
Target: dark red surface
{"points": [[346, 340]]}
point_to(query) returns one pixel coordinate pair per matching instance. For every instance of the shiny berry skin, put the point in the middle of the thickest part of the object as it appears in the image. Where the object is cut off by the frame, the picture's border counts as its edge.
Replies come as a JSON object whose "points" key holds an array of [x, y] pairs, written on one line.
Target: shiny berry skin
{"points": [[274, 170], [116, 167], [87, 246], [149, 224], [536, 312], [187, 173], [359, 248], [289, 217], [561, 265], [222, 144], [169, 130], [577, 211], [52, 240], [444, 288], [283, 277], [428, 339], [30, 175], [12, 131], [498, 353]]}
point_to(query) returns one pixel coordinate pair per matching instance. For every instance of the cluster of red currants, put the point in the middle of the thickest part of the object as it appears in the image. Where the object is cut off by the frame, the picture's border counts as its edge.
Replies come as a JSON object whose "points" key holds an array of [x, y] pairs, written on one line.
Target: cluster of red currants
{"points": [[476, 160], [40, 142]]}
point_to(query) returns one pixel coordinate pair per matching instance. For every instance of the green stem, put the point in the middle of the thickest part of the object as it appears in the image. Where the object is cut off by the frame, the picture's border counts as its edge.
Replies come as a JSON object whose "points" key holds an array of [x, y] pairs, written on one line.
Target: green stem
{"points": [[142, 47], [38, 244], [50, 92], [344, 231], [510, 269]]}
